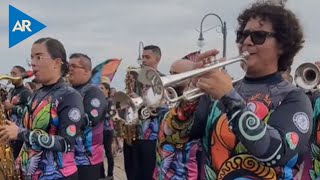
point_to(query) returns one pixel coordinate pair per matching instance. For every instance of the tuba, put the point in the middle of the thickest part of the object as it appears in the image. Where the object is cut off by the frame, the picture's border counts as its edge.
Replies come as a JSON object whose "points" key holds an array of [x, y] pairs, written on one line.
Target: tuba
{"points": [[8, 170], [307, 76]]}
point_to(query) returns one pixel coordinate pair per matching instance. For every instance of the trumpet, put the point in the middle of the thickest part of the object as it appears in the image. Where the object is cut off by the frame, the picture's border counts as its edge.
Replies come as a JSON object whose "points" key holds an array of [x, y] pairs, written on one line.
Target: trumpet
{"points": [[162, 86], [307, 76]]}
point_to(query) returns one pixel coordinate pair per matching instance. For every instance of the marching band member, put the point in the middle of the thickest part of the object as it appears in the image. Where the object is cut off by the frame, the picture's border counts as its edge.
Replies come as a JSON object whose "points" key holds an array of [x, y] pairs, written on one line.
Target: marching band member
{"points": [[108, 131], [176, 160], [311, 162], [140, 157], [260, 128], [17, 101], [52, 119], [89, 152]]}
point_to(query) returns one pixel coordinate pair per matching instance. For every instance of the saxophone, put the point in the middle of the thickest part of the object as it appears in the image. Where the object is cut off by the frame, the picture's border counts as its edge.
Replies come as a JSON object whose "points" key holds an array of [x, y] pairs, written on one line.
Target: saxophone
{"points": [[125, 131], [8, 170]]}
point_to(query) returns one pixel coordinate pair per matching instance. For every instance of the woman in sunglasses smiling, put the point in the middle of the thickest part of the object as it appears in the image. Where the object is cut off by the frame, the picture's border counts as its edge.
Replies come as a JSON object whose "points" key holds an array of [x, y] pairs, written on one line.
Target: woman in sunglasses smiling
{"points": [[260, 128]]}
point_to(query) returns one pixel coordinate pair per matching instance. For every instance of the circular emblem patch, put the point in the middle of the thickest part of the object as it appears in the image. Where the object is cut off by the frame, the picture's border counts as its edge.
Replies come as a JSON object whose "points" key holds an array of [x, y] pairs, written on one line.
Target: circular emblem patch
{"points": [[301, 121], [94, 113], [71, 130], [74, 114], [95, 102]]}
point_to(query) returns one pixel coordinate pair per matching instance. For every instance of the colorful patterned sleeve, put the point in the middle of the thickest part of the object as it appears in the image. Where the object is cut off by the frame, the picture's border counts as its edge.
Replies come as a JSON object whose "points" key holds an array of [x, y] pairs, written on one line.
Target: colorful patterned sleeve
{"points": [[70, 113], [187, 120], [19, 108], [276, 138], [314, 172]]}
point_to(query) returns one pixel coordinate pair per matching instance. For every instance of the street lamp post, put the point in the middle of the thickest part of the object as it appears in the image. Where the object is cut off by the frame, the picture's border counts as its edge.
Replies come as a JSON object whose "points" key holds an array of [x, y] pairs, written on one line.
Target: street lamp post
{"points": [[141, 46], [223, 30]]}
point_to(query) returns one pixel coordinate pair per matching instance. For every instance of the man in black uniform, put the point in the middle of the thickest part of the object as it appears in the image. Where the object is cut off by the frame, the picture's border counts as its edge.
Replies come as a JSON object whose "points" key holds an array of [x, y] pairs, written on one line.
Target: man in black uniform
{"points": [[89, 145]]}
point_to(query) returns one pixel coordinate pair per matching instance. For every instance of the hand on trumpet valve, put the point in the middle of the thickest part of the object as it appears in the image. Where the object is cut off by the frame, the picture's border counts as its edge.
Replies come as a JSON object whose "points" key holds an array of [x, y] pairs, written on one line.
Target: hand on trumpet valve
{"points": [[216, 83], [196, 79], [205, 58]]}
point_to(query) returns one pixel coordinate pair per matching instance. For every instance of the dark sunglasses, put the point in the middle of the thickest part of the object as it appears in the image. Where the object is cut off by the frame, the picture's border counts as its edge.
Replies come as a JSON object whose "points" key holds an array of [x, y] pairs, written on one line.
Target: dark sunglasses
{"points": [[257, 37]]}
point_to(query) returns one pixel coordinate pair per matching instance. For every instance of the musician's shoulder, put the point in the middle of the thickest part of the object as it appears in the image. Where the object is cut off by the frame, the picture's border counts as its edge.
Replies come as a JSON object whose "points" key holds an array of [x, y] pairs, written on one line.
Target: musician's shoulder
{"points": [[95, 90], [67, 90]]}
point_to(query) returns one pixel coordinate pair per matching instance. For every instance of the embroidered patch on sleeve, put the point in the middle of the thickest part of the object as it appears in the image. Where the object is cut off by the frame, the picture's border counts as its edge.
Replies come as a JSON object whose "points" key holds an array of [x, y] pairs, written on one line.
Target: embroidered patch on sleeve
{"points": [[95, 102], [74, 115], [301, 121], [94, 113], [71, 130], [292, 140]]}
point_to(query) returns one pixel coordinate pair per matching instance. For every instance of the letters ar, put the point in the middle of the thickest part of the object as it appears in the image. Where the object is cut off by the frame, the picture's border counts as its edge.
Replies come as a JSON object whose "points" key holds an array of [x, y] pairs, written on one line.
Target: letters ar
{"points": [[25, 24]]}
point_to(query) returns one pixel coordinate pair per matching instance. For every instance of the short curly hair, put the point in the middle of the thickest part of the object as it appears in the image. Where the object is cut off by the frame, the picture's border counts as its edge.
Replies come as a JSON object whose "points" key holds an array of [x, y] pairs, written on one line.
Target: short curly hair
{"points": [[286, 26]]}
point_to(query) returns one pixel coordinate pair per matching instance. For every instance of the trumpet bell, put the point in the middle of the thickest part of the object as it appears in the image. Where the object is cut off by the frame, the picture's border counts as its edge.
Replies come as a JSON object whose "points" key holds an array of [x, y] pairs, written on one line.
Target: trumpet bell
{"points": [[153, 87], [140, 85], [307, 76]]}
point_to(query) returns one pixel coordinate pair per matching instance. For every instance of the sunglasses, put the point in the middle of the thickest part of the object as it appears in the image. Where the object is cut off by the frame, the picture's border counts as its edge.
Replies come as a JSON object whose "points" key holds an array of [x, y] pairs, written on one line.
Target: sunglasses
{"points": [[257, 37]]}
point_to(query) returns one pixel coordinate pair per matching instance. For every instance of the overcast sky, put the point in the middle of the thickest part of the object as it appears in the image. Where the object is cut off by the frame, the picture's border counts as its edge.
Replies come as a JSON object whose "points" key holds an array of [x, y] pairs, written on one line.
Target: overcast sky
{"points": [[113, 29]]}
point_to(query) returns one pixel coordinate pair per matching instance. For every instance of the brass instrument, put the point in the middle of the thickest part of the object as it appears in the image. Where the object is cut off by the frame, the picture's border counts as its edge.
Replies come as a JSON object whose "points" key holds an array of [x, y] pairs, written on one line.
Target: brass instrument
{"points": [[133, 85], [125, 116], [307, 76], [8, 170], [128, 108], [131, 108], [10, 78], [162, 86]]}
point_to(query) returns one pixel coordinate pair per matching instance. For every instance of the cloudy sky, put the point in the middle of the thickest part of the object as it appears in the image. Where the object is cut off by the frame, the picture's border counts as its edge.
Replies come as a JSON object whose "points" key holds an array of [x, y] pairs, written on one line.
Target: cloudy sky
{"points": [[113, 29]]}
